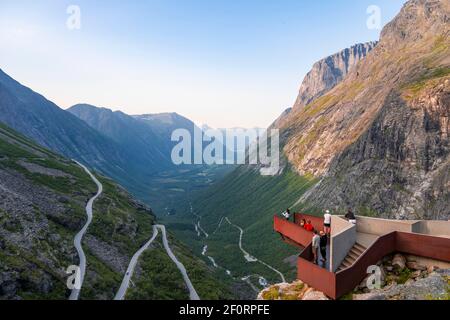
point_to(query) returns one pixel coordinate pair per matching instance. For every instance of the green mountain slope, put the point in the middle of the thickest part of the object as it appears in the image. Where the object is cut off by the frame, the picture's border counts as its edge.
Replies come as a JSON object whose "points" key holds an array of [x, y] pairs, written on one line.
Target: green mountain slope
{"points": [[42, 204], [134, 151], [378, 141], [41, 120], [142, 145], [146, 141], [249, 200]]}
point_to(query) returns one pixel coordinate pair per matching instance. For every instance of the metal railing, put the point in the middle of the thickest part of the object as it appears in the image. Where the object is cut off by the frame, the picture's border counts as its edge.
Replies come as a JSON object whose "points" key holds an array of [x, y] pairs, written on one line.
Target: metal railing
{"points": [[335, 285]]}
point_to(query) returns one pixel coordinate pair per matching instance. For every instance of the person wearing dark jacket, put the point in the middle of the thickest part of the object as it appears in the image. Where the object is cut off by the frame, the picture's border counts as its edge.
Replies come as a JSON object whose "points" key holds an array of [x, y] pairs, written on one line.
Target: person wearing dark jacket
{"points": [[350, 216], [287, 214], [323, 243]]}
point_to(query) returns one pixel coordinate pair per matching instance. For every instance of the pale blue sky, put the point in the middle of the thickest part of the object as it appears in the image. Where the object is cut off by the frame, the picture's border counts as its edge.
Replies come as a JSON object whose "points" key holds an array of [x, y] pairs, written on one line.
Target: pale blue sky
{"points": [[226, 63]]}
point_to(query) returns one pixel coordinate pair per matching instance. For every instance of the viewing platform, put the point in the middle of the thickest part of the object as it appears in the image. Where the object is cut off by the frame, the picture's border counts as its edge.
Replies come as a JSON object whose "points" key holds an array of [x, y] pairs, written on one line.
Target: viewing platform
{"points": [[353, 248]]}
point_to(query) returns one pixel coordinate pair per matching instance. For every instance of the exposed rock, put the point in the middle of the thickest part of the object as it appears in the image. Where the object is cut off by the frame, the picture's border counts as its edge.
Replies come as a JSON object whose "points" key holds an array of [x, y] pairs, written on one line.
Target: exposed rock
{"points": [[399, 261], [8, 285], [385, 126], [314, 295], [415, 266], [435, 286], [35, 168], [327, 73], [369, 296], [107, 253], [293, 291], [431, 269]]}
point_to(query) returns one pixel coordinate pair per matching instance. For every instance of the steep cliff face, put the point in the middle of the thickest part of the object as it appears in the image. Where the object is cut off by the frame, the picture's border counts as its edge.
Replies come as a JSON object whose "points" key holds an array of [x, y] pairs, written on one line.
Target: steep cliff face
{"points": [[324, 76], [399, 168], [327, 73], [380, 137]]}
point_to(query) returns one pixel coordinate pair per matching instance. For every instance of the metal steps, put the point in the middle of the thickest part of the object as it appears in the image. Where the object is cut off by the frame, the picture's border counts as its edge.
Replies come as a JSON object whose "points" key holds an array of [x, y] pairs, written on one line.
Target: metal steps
{"points": [[355, 252]]}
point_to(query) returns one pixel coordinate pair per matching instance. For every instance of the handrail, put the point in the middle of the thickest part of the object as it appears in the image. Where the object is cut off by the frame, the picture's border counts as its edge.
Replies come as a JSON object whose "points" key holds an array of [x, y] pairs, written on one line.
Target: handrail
{"points": [[292, 231], [424, 245], [337, 284], [314, 275], [317, 222], [348, 279], [409, 243]]}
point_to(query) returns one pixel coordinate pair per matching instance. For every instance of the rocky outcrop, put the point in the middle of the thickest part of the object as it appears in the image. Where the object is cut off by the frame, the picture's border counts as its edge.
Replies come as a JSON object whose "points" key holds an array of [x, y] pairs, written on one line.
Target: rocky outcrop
{"points": [[385, 126], [291, 291], [405, 156], [402, 278], [435, 286], [327, 73]]}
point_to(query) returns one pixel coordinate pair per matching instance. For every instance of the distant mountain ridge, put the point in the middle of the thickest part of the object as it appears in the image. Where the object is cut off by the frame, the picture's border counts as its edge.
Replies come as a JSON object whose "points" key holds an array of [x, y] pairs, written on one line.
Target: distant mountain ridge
{"points": [[142, 143], [41, 120], [328, 72], [133, 150], [42, 208], [147, 141]]}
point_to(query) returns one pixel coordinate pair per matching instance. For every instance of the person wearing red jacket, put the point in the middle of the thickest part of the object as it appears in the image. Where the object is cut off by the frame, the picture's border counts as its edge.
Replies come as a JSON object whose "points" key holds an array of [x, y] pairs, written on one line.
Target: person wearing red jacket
{"points": [[308, 226]]}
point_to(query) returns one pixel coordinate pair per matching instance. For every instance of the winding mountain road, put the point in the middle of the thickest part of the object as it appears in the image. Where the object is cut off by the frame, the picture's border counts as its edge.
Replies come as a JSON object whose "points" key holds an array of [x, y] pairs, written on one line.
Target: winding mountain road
{"points": [[248, 256], [74, 295], [197, 225], [130, 270], [192, 293]]}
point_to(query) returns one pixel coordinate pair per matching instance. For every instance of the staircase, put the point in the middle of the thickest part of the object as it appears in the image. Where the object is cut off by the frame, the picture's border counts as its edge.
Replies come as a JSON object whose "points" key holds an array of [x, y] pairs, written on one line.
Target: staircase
{"points": [[352, 256]]}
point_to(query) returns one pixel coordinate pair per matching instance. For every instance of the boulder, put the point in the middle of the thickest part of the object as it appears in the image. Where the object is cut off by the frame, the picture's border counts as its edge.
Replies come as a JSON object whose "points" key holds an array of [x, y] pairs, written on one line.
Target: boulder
{"points": [[399, 261], [435, 286], [363, 283], [314, 295], [409, 282], [415, 266], [431, 269], [370, 296], [8, 288]]}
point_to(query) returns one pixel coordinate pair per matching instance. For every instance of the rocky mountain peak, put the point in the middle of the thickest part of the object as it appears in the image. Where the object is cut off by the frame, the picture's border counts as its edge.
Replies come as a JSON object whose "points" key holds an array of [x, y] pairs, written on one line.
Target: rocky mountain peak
{"points": [[383, 127], [328, 72], [418, 19]]}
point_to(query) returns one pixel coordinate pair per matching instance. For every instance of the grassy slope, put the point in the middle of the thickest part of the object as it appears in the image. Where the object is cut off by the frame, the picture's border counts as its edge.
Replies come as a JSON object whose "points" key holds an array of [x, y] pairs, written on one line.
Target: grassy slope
{"points": [[250, 201], [160, 279], [118, 222], [177, 185], [29, 263]]}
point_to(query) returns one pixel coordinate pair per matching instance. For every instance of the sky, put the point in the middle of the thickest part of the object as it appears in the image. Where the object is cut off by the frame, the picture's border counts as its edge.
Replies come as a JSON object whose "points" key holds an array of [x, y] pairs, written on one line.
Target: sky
{"points": [[225, 63]]}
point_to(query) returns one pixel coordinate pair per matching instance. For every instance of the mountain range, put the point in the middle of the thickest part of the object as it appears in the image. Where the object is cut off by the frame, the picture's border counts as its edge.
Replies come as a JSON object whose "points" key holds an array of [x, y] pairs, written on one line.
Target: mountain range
{"points": [[42, 203], [133, 150], [385, 126], [373, 137], [369, 130]]}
